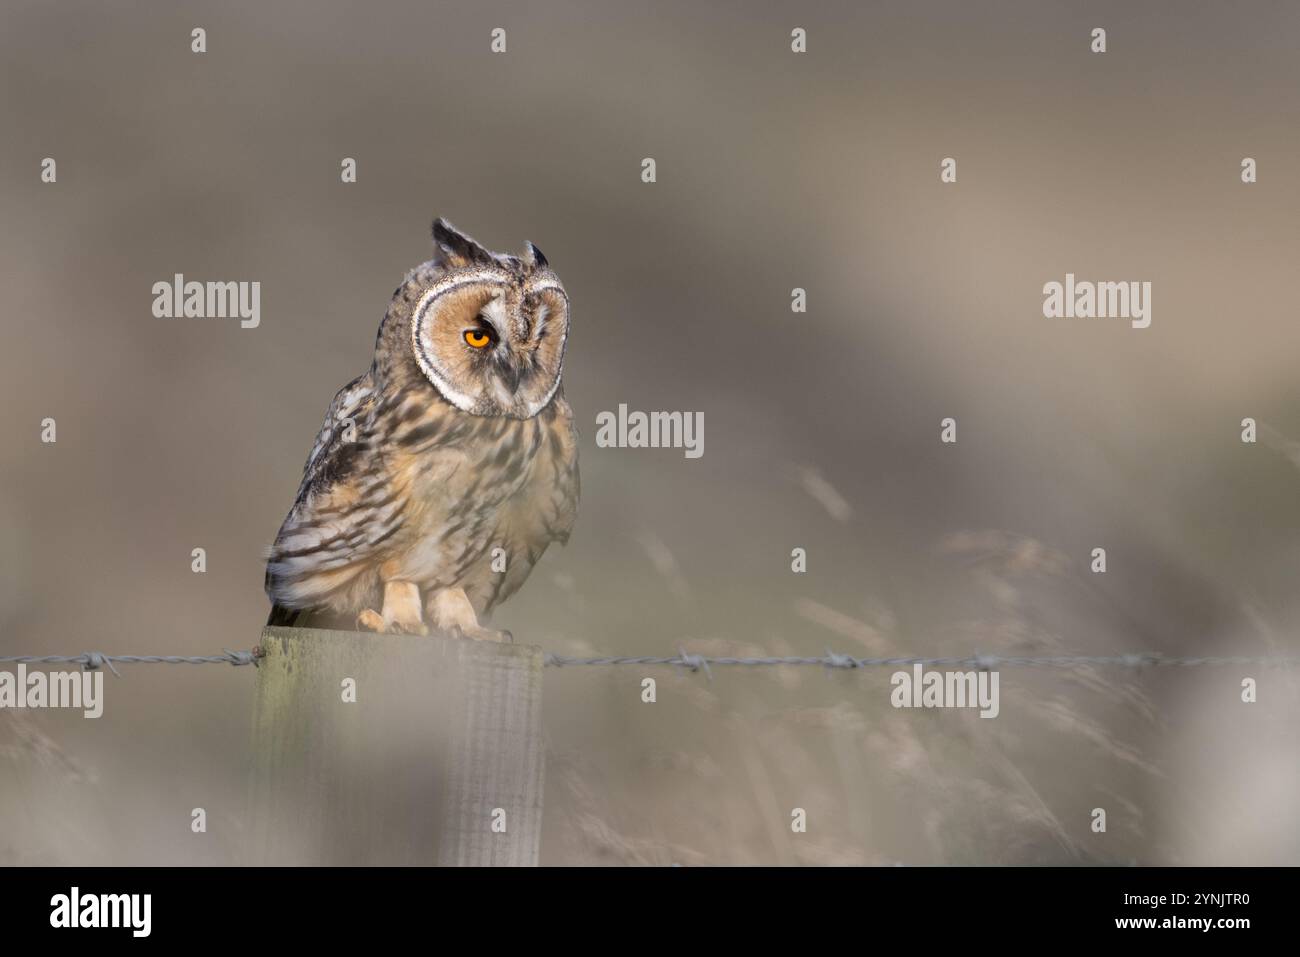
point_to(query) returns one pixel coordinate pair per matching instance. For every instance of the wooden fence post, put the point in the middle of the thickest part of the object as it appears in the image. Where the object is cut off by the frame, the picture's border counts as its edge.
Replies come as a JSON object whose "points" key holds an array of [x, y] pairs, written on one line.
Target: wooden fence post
{"points": [[438, 758]]}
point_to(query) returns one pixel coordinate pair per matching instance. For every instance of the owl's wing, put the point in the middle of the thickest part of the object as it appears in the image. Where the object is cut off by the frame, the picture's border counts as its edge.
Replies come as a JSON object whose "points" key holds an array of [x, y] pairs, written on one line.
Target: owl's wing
{"points": [[352, 402], [342, 513]]}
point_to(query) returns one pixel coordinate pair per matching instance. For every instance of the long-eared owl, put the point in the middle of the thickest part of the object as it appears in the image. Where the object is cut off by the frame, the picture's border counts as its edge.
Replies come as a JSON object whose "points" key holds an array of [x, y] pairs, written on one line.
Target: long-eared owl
{"points": [[441, 474]]}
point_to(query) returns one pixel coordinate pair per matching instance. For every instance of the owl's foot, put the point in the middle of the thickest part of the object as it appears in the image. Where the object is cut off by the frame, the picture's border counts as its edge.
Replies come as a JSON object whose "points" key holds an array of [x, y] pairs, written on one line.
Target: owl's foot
{"points": [[401, 615], [479, 633], [371, 620], [452, 612]]}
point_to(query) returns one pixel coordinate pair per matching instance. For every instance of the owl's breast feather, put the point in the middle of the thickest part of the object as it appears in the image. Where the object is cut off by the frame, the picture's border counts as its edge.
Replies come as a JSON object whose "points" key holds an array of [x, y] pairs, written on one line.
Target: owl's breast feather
{"points": [[461, 497]]}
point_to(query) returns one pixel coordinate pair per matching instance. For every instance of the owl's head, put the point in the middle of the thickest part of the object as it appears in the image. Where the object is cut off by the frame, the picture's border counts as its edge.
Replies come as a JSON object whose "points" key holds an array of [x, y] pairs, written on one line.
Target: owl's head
{"points": [[489, 330]]}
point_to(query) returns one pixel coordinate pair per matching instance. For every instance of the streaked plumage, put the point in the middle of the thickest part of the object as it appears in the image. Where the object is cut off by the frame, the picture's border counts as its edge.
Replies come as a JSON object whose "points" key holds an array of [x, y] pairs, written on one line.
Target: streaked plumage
{"points": [[439, 454]]}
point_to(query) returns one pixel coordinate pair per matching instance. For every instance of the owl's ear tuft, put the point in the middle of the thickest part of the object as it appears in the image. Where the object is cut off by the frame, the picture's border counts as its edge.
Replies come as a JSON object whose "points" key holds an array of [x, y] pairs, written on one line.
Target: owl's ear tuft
{"points": [[533, 256], [452, 249]]}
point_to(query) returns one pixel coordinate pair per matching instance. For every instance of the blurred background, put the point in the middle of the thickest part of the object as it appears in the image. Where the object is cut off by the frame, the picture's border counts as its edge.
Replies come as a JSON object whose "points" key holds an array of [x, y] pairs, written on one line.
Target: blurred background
{"points": [[775, 171]]}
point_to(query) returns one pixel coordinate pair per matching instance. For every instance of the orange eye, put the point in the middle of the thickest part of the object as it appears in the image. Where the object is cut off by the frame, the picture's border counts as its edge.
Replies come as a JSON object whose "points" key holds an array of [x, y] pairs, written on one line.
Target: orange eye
{"points": [[477, 338]]}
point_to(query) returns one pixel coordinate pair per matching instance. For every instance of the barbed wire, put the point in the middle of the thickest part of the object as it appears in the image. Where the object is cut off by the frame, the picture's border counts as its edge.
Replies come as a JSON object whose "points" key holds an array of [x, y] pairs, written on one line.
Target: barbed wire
{"points": [[92, 660], [981, 662]]}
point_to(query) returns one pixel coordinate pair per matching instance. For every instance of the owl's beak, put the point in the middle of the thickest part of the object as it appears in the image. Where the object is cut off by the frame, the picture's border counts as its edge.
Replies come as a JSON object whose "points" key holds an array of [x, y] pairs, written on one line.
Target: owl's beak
{"points": [[510, 377]]}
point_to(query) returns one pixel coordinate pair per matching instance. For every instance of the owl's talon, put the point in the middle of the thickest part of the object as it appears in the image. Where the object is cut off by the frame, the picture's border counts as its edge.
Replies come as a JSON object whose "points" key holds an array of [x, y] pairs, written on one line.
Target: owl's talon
{"points": [[371, 620], [451, 610]]}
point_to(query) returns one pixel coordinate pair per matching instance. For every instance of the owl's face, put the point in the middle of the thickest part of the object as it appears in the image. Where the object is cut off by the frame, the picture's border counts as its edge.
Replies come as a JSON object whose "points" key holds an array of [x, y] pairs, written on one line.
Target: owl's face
{"points": [[489, 332]]}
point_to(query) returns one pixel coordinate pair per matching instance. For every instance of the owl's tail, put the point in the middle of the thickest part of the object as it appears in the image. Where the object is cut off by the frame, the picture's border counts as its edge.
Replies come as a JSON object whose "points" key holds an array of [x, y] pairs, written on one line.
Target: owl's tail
{"points": [[310, 618], [283, 617]]}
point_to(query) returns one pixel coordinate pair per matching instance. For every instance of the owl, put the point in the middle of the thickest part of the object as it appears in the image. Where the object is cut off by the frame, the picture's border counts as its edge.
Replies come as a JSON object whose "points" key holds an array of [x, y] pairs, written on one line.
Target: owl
{"points": [[442, 474]]}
